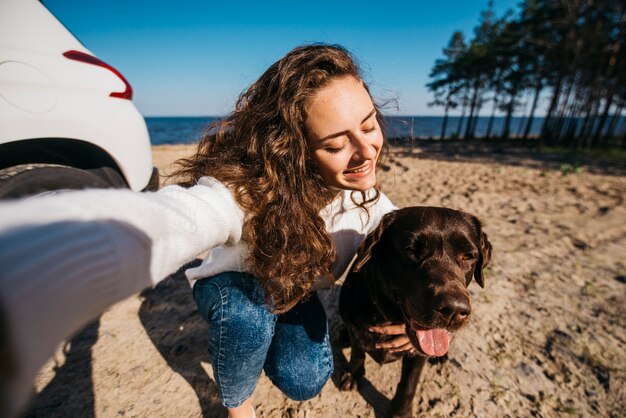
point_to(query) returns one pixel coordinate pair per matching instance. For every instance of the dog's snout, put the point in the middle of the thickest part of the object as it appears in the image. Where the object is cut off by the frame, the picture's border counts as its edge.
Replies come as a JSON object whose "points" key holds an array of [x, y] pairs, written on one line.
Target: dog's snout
{"points": [[454, 308]]}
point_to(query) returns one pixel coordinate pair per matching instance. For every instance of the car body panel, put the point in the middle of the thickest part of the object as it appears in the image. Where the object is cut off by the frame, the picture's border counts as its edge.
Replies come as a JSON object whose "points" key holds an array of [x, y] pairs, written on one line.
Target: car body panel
{"points": [[46, 95]]}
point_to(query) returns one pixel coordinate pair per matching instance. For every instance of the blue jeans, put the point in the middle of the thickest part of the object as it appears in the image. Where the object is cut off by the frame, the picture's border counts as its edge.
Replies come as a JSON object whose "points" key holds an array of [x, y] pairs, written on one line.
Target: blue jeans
{"points": [[244, 338]]}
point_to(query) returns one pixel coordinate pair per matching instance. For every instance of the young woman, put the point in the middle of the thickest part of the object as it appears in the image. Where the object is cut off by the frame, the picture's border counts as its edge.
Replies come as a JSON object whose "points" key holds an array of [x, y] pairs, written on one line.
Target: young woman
{"points": [[283, 190]]}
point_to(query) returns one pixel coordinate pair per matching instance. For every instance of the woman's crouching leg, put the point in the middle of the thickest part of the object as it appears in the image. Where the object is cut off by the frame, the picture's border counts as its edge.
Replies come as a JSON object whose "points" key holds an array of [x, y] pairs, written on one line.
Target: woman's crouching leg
{"points": [[299, 361], [240, 332]]}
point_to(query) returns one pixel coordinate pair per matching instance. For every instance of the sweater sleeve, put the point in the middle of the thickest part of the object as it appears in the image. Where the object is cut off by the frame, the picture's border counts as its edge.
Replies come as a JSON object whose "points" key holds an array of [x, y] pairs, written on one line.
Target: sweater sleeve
{"points": [[179, 223], [68, 257]]}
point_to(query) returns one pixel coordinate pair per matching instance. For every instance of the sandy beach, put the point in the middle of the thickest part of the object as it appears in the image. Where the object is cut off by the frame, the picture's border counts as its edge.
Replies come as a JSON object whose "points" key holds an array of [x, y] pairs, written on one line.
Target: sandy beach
{"points": [[547, 333]]}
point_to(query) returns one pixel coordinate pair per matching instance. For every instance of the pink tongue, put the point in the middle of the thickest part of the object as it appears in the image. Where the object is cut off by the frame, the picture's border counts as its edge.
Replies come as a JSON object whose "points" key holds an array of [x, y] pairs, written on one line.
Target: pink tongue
{"points": [[434, 342]]}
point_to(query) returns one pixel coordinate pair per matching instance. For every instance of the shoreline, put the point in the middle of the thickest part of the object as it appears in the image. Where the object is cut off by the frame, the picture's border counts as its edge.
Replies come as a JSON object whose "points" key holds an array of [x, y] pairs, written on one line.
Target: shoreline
{"points": [[516, 152]]}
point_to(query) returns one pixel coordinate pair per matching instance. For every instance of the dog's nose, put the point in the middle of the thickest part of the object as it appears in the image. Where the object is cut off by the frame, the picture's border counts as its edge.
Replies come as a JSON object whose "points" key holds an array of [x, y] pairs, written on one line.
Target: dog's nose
{"points": [[454, 308]]}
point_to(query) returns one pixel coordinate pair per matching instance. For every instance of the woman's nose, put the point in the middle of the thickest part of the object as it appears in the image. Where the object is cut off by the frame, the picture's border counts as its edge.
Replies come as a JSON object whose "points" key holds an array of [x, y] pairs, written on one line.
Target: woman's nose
{"points": [[363, 149]]}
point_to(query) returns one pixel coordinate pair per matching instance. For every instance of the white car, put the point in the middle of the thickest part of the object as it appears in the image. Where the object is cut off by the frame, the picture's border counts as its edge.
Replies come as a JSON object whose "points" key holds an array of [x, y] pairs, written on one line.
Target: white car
{"points": [[66, 118]]}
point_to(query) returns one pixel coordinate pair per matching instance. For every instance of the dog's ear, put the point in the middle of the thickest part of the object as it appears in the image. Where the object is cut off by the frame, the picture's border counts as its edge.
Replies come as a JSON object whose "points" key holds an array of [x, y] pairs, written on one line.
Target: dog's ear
{"points": [[364, 252], [483, 259]]}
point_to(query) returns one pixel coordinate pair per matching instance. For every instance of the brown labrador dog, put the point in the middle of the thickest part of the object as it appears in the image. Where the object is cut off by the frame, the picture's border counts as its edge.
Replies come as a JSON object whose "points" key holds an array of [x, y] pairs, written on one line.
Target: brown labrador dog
{"points": [[413, 269]]}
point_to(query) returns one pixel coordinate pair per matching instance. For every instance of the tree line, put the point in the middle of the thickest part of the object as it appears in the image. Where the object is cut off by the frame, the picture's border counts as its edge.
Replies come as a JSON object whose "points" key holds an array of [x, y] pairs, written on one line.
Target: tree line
{"points": [[567, 54]]}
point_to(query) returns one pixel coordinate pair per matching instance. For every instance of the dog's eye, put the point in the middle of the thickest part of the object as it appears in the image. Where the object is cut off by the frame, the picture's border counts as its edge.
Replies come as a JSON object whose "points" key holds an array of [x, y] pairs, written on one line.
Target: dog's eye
{"points": [[468, 256]]}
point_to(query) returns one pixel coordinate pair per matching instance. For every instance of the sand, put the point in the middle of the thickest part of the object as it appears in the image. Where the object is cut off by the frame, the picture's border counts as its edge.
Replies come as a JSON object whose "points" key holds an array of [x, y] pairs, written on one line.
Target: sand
{"points": [[546, 338]]}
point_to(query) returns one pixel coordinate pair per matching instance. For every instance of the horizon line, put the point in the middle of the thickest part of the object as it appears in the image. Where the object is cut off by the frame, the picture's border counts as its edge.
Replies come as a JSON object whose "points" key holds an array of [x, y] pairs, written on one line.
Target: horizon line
{"points": [[387, 116]]}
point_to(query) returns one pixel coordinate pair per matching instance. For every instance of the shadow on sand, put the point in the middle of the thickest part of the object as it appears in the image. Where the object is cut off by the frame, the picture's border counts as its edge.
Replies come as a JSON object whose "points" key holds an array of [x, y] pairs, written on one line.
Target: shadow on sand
{"points": [[339, 340], [510, 152], [369, 393], [70, 393], [169, 316], [171, 320]]}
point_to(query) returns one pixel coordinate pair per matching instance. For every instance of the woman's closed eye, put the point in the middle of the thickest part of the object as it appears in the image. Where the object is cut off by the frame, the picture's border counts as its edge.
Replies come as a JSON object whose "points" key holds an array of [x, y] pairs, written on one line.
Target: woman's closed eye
{"points": [[369, 129], [335, 148]]}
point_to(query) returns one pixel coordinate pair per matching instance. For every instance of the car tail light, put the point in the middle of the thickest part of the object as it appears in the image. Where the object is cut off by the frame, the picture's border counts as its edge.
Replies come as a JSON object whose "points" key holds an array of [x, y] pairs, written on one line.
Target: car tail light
{"points": [[90, 59]]}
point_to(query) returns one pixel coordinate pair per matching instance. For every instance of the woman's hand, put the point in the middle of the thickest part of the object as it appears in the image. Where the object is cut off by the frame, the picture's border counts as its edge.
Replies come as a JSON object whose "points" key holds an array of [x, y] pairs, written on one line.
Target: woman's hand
{"points": [[396, 345]]}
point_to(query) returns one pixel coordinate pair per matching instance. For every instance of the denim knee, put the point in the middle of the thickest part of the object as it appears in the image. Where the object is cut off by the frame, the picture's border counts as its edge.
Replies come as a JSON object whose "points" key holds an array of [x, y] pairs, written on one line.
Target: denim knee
{"points": [[299, 361], [240, 332], [304, 380]]}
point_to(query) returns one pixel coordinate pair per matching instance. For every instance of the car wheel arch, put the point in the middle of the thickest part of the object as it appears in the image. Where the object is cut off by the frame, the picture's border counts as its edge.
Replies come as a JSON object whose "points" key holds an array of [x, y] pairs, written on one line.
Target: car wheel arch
{"points": [[59, 151]]}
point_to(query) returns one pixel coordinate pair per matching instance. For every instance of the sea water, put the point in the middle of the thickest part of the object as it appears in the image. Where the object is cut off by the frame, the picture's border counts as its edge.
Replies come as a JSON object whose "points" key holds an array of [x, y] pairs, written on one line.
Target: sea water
{"points": [[185, 130]]}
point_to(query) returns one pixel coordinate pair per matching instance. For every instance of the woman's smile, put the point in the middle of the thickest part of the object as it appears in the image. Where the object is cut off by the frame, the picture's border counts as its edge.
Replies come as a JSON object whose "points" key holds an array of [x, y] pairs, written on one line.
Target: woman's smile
{"points": [[360, 171]]}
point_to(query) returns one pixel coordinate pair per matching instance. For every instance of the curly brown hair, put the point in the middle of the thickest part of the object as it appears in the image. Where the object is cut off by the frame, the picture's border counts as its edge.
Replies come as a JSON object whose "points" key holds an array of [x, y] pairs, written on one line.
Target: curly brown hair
{"points": [[260, 152]]}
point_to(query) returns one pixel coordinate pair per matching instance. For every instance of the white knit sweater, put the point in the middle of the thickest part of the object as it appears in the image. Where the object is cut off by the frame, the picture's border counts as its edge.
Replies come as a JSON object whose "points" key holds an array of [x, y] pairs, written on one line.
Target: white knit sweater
{"points": [[65, 258]]}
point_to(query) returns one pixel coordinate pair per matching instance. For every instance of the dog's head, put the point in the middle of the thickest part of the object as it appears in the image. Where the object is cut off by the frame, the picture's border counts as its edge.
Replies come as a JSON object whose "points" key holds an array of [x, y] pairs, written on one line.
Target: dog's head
{"points": [[425, 258]]}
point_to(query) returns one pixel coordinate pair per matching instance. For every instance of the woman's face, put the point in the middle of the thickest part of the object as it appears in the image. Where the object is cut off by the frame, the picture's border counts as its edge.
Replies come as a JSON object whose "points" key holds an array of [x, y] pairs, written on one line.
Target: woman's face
{"points": [[343, 135]]}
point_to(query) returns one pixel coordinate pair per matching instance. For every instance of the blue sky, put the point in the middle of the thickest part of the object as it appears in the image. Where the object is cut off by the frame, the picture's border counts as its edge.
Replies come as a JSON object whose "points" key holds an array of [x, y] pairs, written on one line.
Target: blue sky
{"points": [[193, 58]]}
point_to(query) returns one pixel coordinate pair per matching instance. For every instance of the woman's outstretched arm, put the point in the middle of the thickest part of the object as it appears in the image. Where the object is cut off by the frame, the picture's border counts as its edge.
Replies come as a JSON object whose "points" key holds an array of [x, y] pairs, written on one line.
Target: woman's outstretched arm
{"points": [[64, 259]]}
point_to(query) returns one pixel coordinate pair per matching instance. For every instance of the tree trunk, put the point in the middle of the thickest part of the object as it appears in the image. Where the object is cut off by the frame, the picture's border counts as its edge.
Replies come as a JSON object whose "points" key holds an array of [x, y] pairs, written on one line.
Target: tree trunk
{"points": [[560, 120], [600, 127], [587, 134], [617, 56], [507, 122], [479, 106], [520, 124], [491, 118], [588, 111], [610, 132], [471, 115], [460, 124], [445, 121], [571, 128], [531, 115], [546, 129], [613, 64]]}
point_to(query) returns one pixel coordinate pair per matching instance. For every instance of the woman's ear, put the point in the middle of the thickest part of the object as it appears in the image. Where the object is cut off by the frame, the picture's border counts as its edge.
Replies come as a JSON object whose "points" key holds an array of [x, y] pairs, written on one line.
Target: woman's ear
{"points": [[364, 252]]}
